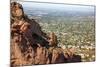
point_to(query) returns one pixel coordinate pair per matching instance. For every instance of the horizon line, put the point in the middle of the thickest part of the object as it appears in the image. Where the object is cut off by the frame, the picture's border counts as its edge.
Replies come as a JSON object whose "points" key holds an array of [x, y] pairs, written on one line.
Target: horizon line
{"points": [[56, 3]]}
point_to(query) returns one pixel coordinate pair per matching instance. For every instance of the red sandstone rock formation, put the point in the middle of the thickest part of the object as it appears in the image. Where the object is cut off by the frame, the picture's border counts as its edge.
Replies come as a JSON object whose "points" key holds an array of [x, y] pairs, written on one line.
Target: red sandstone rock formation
{"points": [[30, 45]]}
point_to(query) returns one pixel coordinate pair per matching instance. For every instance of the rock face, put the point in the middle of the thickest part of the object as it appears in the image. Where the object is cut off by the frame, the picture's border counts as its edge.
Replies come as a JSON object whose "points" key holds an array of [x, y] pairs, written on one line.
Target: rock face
{"points": [[30, 45]]}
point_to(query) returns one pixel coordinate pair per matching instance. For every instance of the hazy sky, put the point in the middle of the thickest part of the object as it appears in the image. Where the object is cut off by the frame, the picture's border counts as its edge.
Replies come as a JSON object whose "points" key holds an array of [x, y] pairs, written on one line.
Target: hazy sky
{"points": [[85, 2], [58, 6]]}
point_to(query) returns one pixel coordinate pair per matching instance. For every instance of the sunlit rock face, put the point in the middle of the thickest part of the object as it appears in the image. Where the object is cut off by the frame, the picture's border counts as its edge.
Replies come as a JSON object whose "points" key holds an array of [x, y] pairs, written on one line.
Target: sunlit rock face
{"points": [[30, 45]]}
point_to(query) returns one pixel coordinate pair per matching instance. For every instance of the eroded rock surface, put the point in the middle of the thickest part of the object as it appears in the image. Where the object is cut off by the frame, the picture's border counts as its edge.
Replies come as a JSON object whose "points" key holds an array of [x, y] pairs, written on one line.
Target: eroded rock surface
{"points": [[31, 46]]}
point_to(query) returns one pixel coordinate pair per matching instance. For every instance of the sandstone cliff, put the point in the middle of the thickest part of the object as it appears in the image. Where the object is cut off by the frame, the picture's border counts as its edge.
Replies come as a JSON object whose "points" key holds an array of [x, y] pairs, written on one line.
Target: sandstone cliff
{"points": [[31, 46]]}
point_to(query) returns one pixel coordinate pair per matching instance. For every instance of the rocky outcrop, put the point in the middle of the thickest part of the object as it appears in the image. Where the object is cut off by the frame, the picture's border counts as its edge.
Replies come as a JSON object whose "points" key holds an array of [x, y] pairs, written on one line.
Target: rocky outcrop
{"points": [[30, 45]]}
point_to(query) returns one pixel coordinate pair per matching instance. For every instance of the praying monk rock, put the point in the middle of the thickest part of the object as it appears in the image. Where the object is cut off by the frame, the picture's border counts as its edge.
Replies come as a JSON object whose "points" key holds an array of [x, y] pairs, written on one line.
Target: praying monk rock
{"points": [[30, 45]]}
